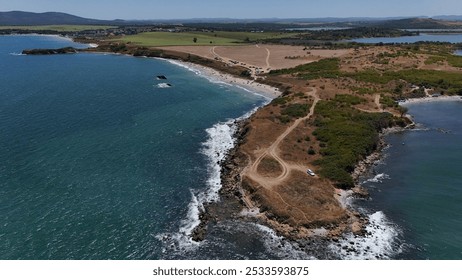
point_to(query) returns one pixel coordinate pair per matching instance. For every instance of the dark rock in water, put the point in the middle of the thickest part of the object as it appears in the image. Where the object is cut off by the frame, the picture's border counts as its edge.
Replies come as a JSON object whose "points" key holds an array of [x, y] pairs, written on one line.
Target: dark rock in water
{"points": [[199, 233], [67, 50], [161, 77]]}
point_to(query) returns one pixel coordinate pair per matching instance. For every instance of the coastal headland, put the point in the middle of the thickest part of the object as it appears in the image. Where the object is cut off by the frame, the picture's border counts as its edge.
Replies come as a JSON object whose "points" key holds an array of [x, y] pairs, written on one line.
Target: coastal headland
{"points": [[327, 116], [329, 119]]}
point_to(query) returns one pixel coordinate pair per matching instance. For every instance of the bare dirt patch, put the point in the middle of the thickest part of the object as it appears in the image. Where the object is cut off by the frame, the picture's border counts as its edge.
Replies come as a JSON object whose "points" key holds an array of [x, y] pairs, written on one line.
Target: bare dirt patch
{"points": [[265, 57], [269, 167]]}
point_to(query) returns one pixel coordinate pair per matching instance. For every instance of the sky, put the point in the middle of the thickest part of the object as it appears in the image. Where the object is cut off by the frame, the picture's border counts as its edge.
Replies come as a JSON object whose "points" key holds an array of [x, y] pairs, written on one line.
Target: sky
{"points": [[242, 9]]}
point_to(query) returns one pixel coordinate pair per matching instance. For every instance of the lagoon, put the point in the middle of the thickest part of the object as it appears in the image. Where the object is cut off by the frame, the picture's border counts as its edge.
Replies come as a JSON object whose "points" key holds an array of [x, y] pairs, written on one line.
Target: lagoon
{"points": [[424, 37]]}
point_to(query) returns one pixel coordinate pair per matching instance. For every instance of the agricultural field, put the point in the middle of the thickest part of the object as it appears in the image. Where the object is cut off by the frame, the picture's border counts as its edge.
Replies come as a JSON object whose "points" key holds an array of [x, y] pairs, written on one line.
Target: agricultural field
{"points": [[159, 39]]}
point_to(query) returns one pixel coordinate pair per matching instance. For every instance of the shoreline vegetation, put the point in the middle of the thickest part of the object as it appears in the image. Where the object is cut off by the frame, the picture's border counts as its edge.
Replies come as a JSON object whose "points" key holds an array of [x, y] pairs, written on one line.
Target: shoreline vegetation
{"points": [[328, 115]]}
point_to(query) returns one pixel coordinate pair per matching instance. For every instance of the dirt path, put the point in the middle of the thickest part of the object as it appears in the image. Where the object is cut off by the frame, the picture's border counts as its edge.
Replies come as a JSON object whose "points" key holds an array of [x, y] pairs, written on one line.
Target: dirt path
{"points": [[273, 152], [268, 66], [252, 68], [377, 101], [377, 104]]}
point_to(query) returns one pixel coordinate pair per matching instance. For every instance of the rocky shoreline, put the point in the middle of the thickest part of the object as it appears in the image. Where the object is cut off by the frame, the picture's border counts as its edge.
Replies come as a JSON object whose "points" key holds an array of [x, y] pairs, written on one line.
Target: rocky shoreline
{"points": [[231, 202], [234, 199], [67, 50]]}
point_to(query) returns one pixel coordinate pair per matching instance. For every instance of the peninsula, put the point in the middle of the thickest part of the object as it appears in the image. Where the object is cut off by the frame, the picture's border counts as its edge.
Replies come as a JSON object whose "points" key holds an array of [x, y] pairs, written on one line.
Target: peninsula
{"points": [[298, 158]]}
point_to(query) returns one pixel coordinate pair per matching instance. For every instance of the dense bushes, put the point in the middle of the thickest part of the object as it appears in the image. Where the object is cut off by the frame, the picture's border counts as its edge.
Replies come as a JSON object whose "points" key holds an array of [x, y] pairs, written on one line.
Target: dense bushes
{"points": [[296, 110], [347, 135], [326, 68], [442, 80]]}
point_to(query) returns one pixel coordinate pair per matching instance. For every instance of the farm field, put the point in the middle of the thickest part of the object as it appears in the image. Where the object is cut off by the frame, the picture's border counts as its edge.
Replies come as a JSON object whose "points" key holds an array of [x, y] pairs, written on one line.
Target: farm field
{"points": [[159, 39]]}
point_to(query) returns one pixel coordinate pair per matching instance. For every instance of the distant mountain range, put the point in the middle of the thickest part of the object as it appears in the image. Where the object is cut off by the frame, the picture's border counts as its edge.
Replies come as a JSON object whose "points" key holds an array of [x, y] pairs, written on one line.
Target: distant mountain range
{"points": [[56, 18], [49, 18]]}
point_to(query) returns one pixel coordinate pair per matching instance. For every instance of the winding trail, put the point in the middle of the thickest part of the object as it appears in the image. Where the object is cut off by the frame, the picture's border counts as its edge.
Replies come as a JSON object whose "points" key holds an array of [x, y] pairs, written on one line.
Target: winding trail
{"points": [[268, 66], [377, 104], [273, 152]]}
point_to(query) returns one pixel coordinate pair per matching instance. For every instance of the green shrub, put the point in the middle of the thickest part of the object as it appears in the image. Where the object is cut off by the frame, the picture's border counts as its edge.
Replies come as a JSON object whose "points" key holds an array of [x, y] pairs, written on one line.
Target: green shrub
{"points": [[325, 68], [284, 119], [296, 110], [347, 135]]}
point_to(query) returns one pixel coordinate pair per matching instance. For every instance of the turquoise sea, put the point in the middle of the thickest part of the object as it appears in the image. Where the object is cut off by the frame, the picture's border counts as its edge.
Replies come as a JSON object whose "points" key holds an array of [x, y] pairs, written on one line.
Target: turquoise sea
{"points": [[98, 161]]}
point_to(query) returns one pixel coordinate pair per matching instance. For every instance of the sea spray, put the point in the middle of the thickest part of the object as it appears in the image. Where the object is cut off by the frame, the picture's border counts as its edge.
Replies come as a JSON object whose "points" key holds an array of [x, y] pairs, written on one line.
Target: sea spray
{"points": [[283, 248], [221, 139], [377, 178], [379, 242], [215, 77]]}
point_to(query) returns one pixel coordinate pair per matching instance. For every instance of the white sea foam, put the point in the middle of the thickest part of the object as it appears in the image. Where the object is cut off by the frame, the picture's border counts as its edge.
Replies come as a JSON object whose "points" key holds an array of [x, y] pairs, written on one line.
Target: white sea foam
{"points": [[198, 72], [217, 79], [163, 85], [280, 246], [174, 62], [220, 140], [191, 221], [379, 178], [379, 242], [17, 54]]}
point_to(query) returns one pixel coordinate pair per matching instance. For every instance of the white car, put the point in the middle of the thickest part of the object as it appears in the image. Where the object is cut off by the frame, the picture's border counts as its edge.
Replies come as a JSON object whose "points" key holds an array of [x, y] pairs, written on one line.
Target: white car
{"points": [[310, 172]]}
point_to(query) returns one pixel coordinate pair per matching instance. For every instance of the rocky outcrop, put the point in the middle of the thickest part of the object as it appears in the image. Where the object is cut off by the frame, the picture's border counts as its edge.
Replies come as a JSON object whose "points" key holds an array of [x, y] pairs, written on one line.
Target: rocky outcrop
{"points": [[67, 50]]}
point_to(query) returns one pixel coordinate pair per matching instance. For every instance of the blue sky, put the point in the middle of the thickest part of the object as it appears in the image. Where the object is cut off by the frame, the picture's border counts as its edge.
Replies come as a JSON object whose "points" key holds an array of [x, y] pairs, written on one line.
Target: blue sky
{"points": [[176, 9]]}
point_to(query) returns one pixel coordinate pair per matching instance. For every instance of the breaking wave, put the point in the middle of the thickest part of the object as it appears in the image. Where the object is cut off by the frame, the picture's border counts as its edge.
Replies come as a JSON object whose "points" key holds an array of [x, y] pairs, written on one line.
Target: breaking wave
{"points": [[380, 241], [379, 178]]}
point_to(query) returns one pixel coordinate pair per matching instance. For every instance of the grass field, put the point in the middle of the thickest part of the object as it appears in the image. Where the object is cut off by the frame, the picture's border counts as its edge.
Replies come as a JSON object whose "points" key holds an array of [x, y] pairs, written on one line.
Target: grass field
{"points": [[158, 39], [59, 28]]}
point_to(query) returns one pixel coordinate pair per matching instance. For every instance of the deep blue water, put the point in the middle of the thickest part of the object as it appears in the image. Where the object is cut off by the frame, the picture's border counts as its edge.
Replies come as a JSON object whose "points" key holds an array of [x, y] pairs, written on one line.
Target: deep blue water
{"points": [[98, 162], [451, 38], [418, 186]]}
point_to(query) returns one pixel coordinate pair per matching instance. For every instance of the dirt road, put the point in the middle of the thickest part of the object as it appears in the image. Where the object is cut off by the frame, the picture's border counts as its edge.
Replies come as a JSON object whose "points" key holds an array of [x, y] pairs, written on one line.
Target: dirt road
{"points": [[273, 152]]}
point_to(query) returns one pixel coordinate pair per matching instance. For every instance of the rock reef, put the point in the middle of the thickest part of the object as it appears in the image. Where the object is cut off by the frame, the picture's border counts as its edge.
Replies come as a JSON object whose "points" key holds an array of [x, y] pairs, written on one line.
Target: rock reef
{"points": [[67, 50]]}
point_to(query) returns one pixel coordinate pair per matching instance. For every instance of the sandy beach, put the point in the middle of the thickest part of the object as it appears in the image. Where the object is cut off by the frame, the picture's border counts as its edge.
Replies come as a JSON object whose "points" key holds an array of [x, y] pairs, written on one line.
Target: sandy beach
{"points": [[430, 99], [219, 77]]}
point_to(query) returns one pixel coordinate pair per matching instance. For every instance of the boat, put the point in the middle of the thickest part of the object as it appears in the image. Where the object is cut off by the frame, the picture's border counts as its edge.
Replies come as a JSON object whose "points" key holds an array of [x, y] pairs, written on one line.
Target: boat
{"points": [[161, 77]]}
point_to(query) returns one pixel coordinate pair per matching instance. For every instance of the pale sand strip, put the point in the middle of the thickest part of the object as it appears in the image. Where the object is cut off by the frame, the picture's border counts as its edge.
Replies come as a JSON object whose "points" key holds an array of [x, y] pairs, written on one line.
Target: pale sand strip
{"points": [[430, 99], [219, 77]]}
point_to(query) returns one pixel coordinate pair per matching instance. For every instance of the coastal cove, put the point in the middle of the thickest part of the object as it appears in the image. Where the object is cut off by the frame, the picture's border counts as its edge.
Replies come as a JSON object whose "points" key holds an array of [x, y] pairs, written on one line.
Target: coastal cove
{"points": [[417, 183]]}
